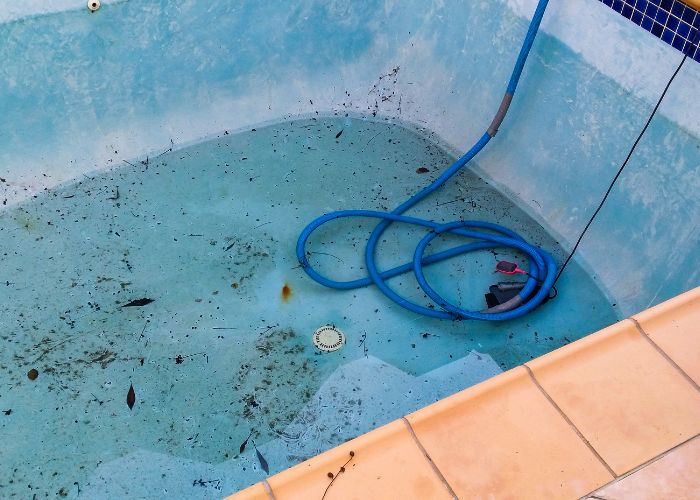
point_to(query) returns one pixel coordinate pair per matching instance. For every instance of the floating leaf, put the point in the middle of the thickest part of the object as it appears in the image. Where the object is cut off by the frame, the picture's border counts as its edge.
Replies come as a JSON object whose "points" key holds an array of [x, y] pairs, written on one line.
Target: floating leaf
{"points": [[138, 302], [244, 443], [263, 462], [131, 397]]}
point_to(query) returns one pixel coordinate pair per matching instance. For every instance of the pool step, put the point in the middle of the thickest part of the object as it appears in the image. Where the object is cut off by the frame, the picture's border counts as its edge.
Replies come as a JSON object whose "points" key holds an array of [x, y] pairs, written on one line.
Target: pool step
{"points": [[611, 412]]}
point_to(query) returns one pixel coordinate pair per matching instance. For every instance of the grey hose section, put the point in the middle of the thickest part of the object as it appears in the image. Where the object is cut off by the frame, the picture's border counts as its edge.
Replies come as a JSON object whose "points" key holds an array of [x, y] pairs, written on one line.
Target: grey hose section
{"points": [[500, 114], [506, 306], [511, 286]]}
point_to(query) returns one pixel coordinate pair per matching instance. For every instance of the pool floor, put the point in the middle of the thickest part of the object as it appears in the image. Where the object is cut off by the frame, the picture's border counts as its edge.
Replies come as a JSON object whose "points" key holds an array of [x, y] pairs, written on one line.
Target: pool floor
{"points": [[208, 232]]}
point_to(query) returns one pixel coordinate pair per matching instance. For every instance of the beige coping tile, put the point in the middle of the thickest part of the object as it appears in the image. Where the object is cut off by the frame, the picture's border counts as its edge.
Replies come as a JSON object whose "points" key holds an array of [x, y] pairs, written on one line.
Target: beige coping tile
{"points": [[504, 439], [255, 492], [622, 394], [674, 475], [387, 464], [675, 327]]}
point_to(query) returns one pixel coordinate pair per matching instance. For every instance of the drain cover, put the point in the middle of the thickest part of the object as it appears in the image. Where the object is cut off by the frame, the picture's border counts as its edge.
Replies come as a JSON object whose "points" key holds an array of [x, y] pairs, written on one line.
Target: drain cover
{"points": [[328, 338]]}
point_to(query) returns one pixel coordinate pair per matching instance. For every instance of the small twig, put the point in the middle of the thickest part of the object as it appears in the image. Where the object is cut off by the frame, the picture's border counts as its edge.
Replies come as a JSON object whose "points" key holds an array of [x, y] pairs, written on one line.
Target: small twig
{"points": [[373, 138], [363, 343], [340, 471], [143, 333], [129, 163], [96, 399], [329, 254], [166, 151], [51, 348], [269, 327], [448, 202], [179, 359], [195, 354], [216, 483]]}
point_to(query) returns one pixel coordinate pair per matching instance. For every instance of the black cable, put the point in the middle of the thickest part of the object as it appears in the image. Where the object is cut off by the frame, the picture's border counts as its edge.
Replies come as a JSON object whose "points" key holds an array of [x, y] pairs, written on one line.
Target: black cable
{"points": [[622, 167]]}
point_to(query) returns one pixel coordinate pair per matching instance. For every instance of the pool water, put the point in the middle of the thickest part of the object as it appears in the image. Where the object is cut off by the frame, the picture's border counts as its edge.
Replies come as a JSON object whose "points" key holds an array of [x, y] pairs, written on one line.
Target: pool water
{"points": [[224, 351]]}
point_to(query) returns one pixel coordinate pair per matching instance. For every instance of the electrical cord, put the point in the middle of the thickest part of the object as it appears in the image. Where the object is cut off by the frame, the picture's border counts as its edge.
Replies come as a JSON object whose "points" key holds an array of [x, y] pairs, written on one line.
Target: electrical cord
{"points": [[622, 167]]}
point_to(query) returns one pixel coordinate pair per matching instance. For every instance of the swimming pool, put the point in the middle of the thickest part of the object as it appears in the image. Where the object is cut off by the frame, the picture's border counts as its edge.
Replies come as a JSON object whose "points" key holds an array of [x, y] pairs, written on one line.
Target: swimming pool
{"points": [[208, 232], [204, 226]]}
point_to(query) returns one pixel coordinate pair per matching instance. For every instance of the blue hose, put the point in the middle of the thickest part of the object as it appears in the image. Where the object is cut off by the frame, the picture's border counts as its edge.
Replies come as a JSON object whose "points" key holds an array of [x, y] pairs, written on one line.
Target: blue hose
{"points": [[542, 268]]}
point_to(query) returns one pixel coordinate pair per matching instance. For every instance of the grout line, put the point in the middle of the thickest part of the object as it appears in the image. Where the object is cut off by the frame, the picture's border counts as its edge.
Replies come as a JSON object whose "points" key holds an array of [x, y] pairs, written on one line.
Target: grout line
{"points": [[663, 353], [568, 420], [427, 457], [640, 467], [268, 489]]}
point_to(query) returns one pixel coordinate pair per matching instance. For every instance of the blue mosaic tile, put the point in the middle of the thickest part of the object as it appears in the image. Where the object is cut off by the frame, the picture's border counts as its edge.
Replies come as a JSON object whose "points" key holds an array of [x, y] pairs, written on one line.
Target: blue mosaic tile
{"points": [[671, 20]]}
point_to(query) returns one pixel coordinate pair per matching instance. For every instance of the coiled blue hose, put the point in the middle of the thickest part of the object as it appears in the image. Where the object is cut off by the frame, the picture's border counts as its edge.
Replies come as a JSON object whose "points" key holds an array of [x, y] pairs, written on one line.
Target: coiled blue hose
{"points": [[542, 270]]}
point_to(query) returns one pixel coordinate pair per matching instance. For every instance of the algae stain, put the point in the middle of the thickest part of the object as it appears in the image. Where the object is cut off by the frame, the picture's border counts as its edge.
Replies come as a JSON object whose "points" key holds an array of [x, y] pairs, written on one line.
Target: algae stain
{"points": [[26, 221], [286, 292]]}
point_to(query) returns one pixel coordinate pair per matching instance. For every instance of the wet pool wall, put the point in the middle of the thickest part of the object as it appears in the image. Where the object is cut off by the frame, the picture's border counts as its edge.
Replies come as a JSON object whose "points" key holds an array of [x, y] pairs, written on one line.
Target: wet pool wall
{"points": [[81, 91]]}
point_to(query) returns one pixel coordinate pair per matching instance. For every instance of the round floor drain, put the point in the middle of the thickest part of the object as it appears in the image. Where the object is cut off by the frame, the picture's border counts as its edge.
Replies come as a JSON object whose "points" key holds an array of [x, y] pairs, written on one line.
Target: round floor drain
{"points": [[328, 338]]}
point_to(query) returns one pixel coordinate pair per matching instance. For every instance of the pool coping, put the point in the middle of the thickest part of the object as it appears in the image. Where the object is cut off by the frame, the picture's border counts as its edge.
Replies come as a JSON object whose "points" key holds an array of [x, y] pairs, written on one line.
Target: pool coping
{"points": [[588, 417]]}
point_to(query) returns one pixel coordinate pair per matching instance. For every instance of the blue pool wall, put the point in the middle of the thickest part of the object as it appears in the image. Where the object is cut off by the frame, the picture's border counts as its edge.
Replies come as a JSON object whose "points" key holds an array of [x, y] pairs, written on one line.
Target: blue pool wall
{"points": [[81, 92]]}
